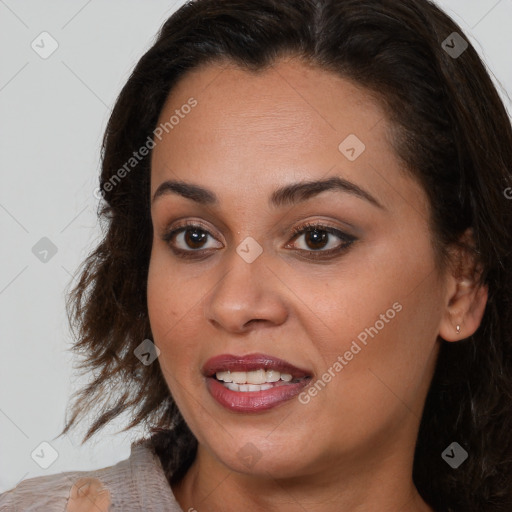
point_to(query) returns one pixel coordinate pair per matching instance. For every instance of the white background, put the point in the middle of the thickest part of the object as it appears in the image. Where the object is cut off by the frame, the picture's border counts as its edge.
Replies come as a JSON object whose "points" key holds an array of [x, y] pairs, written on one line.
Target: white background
{"points": [[52, 115]]}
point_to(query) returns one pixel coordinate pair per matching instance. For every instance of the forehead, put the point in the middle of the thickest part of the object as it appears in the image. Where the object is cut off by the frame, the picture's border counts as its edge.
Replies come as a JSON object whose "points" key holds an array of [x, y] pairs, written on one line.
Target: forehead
{"points": [[251, 130]]}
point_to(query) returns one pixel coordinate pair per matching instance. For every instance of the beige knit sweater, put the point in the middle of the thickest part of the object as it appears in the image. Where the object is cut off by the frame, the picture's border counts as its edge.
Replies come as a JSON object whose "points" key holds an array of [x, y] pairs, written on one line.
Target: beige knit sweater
{"points": [[135, 484]]}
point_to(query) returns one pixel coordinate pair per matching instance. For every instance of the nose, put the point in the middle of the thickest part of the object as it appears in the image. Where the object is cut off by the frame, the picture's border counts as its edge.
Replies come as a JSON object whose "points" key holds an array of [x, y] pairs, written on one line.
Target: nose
{"points": [[248, 295]]}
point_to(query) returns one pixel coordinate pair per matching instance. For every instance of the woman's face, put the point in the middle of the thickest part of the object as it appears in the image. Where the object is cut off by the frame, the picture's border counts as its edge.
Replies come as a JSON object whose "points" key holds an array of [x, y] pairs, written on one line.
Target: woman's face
{"points": [[354, 307]]}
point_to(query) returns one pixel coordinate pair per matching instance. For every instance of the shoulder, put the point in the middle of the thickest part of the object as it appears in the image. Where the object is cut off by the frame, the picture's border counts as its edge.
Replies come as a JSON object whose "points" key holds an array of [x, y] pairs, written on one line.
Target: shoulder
{"points": [[70, 492], [49, 493], [133, 484]]}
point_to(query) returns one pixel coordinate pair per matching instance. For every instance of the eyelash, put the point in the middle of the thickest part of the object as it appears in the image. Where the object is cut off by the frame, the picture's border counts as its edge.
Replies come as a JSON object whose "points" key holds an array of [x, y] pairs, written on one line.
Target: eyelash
{"points": [[304, 228]]}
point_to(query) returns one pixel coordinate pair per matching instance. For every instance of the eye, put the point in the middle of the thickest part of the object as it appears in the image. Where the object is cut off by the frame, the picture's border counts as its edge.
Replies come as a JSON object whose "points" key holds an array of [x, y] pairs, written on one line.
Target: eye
{"points": [[188, 239], [191, 240], [318, 238]]}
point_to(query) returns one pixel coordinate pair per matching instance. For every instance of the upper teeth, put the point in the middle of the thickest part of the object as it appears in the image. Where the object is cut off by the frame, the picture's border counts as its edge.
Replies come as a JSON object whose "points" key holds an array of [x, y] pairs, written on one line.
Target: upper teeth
{"points": [[253, 377]]}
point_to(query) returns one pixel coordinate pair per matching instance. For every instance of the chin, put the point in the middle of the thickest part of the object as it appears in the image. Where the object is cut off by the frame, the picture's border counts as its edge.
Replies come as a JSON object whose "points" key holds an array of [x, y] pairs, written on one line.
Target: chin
{"points": [[257, 456]]}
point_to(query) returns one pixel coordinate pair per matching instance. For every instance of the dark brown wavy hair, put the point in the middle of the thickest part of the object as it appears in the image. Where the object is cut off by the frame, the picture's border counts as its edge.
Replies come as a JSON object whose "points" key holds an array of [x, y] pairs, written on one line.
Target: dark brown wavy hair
{"points": [[451, 130]]}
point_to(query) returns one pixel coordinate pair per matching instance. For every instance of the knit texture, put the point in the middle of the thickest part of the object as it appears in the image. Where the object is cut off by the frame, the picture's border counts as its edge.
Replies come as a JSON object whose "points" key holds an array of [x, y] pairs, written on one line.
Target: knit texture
{"points": [[135, 484]]}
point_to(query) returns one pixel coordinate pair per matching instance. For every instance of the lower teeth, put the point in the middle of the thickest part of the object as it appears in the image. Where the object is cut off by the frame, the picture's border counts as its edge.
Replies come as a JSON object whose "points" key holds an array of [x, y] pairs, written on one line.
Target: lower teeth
{"points": [[253, 387], [247, 387]]}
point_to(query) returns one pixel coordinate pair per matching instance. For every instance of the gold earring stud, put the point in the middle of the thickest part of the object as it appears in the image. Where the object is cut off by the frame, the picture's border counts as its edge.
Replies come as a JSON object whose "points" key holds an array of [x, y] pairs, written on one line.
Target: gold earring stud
{"points": [[458, 329]]}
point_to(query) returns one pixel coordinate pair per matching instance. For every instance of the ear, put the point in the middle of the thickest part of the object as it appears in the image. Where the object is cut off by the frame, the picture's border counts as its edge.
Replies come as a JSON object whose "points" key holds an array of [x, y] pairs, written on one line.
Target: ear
{"points": [[465, 298]]}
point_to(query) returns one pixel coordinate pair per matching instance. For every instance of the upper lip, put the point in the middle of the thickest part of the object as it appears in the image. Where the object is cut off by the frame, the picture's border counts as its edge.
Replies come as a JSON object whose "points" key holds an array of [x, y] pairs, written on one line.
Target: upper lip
{"points": [[250, 362]]}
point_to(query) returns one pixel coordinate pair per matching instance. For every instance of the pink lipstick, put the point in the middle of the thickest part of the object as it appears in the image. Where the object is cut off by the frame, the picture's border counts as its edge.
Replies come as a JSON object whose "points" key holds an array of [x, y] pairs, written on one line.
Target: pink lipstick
{"points": [[254, 382]]}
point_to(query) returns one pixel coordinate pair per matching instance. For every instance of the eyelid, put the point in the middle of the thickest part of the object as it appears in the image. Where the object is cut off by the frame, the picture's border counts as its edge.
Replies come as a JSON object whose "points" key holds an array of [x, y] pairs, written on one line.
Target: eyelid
{"points": [[302, 229], [170, 233], [188, 223], [321, 225]]}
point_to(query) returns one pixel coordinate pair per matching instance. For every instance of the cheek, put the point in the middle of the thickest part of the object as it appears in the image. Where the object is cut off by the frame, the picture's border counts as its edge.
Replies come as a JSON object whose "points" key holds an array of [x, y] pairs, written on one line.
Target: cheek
{"points": [[382, 318], [175, 297], [377, 292], [168, 303], [171, 293], [163, 307]]}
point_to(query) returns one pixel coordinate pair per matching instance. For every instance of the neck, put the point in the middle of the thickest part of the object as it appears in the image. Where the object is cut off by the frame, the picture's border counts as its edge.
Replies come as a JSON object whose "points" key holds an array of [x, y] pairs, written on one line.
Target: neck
{"points": [[209, 486]]}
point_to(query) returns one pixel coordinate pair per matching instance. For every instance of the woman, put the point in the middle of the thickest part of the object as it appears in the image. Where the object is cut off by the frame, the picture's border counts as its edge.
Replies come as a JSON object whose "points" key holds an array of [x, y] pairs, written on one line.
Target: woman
{"points": [[304, 286]]}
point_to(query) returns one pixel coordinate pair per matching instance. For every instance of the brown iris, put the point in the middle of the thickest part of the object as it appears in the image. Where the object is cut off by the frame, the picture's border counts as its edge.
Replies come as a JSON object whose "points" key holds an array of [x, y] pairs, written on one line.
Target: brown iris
{"points": [[195, 237], [319, 238]]}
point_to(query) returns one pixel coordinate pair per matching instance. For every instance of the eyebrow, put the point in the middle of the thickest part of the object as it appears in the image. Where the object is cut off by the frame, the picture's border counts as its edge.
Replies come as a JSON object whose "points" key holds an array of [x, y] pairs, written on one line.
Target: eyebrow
{"points": [[286, 195]]}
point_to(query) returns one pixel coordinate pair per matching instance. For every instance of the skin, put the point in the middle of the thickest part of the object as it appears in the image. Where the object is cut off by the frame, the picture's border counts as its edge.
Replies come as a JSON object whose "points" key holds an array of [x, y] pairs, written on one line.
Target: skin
{"points": [[350, 448], [88, 495]]}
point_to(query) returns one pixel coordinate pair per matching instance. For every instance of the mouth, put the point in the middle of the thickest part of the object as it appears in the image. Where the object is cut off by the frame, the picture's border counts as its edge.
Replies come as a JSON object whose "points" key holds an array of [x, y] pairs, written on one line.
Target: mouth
{"points": [[254, 382]]}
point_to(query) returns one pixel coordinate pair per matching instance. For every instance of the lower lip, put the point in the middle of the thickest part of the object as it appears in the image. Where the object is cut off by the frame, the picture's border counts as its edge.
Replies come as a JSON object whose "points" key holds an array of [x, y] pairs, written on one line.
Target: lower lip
{"points": [[253, 401]]}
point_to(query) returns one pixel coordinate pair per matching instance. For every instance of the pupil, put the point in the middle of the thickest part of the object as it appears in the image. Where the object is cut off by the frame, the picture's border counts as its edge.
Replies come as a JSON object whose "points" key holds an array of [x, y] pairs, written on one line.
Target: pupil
{"points": [[195, 237], [320, 237]]}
